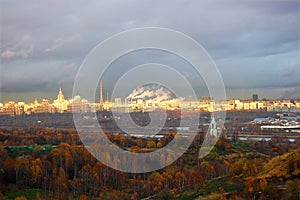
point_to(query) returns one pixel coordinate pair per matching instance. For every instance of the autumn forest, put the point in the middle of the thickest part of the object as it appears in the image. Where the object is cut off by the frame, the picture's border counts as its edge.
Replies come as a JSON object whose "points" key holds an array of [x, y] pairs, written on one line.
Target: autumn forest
{"points": [[38, 162]]}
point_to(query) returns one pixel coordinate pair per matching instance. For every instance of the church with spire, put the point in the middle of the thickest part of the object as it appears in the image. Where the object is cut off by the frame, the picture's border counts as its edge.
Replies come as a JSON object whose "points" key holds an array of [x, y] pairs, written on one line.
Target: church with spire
{"points": [[213, 127]]}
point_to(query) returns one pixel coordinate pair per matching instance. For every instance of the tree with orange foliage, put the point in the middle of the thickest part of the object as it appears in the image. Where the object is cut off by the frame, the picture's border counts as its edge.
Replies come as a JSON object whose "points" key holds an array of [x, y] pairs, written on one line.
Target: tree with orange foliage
{"points": [[150, 144], [263, 184], [195, 179], [9, 170], [155, 182], [37, 172], [21, 198], [249, 185], [179, 180], [134, 196], [207, 169]]}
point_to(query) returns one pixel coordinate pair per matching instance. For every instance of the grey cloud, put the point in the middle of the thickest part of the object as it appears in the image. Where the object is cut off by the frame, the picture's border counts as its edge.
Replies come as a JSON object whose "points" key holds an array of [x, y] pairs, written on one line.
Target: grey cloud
{"points": [[291, 93], [288, 73], [60, 42], [22, 48], [224, 28]]}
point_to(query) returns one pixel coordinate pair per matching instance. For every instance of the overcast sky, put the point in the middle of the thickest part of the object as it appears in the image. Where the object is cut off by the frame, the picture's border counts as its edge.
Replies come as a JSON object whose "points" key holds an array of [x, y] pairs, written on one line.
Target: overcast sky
{"points": [[255, 43]]}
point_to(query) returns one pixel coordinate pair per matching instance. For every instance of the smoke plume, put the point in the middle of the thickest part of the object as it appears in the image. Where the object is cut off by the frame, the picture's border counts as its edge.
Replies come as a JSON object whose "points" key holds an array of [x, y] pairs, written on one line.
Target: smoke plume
{"points": [[153, 92]]}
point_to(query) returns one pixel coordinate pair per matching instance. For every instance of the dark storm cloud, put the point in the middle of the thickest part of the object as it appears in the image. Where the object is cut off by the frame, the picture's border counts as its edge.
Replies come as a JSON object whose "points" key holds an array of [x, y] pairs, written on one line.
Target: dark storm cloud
{"points": [[250, 40]]}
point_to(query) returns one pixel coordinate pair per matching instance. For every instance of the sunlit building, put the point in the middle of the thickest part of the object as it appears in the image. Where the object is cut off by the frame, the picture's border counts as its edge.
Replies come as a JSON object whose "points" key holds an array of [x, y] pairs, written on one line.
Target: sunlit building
{"points": [[75, 105], [44, 107], [118, 102], [79, 105], [19, 108], [85, 107], [107, 105], [61, 104], [8, 108]]}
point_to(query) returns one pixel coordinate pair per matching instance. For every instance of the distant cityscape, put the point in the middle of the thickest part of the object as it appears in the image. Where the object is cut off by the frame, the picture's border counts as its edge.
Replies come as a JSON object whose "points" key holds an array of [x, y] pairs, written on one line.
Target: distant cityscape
{"points": [[78, 104]]}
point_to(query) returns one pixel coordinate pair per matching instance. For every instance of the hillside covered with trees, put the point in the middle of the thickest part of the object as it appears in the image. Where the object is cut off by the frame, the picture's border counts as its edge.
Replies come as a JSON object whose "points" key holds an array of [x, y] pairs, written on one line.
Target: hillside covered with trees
{"points": [[39, 163]]}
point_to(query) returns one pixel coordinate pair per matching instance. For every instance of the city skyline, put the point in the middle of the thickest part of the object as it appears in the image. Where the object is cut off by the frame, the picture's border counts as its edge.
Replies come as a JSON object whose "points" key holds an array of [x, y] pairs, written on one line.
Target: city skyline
{"points": [[146, 101], [256, 52]]}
